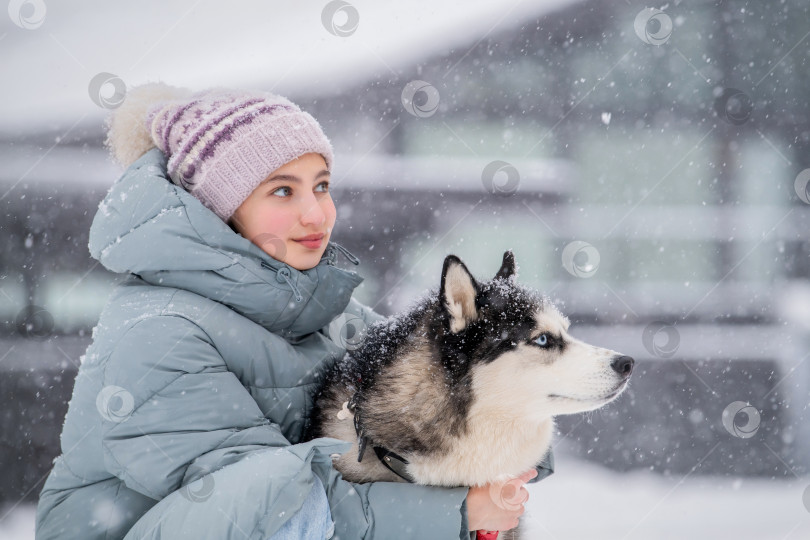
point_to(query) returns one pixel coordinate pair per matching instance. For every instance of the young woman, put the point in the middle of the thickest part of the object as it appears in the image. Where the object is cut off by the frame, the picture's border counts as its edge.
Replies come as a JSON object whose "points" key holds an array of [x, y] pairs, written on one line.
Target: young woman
{"points": [[188, 409]]}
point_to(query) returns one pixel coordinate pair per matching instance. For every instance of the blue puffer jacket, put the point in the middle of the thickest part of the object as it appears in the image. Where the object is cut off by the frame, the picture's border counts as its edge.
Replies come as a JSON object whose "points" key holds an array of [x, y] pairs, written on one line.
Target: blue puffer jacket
{"points": [[203, 360]]}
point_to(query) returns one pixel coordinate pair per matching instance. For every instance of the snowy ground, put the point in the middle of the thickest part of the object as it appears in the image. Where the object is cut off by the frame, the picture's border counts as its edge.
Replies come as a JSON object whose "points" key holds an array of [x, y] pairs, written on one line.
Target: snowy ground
{"points": [[583, 500], [19, 524]]}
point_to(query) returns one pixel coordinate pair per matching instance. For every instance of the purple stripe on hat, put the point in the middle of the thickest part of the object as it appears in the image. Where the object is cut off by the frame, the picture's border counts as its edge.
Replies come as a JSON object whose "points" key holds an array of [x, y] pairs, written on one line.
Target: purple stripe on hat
{"points": [[221, 145], [206, 126], [179, 155], [225, 134], [167, 127]]}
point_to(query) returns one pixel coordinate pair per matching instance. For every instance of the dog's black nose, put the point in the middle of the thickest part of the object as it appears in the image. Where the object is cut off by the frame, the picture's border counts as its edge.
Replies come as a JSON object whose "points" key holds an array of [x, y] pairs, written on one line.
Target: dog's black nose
{"points": [[622, 365]]}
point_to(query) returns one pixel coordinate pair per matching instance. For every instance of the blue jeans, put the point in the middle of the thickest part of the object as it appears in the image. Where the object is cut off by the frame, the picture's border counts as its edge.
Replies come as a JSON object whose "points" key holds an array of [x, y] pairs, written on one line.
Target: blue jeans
{"points": [[312, 521]]}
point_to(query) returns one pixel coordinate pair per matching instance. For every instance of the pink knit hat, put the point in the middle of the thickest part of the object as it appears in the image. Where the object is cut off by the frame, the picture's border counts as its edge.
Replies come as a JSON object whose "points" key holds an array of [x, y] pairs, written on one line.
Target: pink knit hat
{"points": [[220, 143]]}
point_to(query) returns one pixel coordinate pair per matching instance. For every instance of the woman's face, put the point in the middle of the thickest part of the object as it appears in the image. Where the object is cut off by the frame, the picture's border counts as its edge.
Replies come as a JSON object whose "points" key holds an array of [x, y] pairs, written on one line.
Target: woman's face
{"points": [[290, 215]]}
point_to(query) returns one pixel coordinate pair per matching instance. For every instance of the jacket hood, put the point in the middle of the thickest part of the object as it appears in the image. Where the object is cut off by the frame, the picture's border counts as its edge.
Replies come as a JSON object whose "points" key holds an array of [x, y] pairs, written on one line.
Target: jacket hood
{"points": [[149, 226]]}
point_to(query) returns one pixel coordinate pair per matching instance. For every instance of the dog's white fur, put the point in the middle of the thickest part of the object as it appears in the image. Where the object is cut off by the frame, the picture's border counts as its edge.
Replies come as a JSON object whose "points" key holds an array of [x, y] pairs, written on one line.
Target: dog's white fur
{"points": [[519, 433]]}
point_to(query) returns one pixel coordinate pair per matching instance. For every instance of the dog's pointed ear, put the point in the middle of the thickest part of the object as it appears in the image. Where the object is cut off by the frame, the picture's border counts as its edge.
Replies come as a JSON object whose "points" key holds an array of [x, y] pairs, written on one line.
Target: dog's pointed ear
{"points": [[507, 266], [458, 294]]}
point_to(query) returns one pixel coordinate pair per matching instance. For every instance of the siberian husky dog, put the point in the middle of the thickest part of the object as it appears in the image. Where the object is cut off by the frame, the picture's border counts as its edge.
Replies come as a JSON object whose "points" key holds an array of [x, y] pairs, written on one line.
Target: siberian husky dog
{"points": [[462, 390]]}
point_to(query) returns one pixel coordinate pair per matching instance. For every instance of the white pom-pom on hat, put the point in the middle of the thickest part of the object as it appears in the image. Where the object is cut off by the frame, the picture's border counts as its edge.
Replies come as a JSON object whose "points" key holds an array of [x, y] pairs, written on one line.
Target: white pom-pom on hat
{"points": [[220, 143], [128, 137]]}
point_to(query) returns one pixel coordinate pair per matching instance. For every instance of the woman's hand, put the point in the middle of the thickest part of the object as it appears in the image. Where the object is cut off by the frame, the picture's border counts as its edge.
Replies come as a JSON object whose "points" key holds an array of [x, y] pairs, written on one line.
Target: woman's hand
{"points": [[498, 506]]}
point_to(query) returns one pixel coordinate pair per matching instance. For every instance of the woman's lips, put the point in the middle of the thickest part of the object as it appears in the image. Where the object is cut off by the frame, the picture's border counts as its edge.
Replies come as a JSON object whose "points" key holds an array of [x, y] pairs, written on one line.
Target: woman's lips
{"points": [[313, 241]]}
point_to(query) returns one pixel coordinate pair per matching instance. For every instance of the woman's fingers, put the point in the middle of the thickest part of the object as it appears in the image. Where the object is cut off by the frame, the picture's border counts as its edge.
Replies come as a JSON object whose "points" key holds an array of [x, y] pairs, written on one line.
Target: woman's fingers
{"points": [[514, 493], [511, 491], [511, 495], [528, 475]]}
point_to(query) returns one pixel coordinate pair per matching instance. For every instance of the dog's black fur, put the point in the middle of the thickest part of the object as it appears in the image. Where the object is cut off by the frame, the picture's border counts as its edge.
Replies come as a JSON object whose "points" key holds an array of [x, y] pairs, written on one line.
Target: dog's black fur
{"points": [[505, 318]]}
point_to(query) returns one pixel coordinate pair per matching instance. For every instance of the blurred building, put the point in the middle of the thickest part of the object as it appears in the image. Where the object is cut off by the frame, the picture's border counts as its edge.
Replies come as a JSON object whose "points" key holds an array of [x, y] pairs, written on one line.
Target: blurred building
{"points": [[642, 170]]}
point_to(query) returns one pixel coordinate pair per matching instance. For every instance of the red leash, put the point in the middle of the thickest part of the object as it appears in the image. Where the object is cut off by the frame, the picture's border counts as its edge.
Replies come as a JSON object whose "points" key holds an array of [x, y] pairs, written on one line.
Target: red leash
{"points": [[486, 535]]}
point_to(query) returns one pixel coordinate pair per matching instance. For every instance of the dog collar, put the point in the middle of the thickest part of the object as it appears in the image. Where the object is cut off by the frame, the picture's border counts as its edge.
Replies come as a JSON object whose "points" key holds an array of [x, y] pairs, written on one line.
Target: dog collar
{"points": [[392, 461]]}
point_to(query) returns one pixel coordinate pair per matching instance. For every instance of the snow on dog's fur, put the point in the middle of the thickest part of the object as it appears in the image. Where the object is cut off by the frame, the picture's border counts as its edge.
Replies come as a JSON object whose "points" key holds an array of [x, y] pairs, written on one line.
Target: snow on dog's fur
{"points": [[465, 385]]}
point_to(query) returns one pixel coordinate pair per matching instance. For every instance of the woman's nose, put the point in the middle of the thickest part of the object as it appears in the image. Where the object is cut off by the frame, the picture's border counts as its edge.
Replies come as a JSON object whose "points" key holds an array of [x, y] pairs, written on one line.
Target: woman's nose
{"points": [[312, 213]]}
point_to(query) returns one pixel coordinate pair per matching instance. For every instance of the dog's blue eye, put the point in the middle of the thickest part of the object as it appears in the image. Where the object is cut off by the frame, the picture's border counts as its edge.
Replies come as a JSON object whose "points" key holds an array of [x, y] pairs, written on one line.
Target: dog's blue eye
{"points": [[542, 340]]}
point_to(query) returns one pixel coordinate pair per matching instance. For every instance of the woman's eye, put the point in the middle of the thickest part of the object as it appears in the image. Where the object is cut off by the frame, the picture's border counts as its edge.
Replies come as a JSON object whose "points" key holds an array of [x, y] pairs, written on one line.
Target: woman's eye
{"points": [[285, 191], [542, 340]]}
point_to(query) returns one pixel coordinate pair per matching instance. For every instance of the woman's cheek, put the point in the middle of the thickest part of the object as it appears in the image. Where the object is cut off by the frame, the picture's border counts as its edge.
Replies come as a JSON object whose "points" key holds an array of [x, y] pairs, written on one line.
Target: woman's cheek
{"points": [[279, 223], [331, 213]]}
